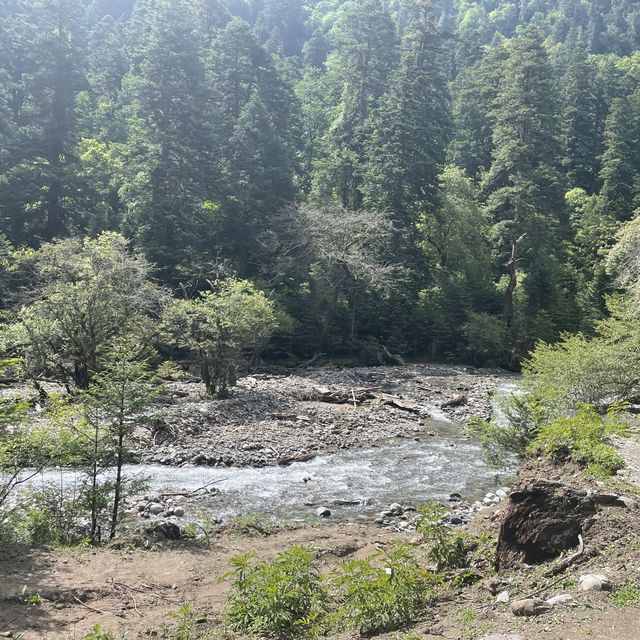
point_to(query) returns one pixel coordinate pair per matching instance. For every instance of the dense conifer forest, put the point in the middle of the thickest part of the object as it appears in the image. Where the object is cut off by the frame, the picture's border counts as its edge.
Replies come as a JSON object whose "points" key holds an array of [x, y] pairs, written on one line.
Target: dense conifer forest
{"points": [[444, 179]]}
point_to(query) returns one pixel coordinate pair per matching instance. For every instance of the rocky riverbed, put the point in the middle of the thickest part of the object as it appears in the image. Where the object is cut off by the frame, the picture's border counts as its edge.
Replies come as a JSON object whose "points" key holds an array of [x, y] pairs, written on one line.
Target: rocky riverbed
{"points": [[281, 419]]}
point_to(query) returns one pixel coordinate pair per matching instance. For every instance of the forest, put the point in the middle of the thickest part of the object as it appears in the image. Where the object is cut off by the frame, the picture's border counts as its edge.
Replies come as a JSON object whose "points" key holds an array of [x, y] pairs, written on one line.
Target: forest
{"points": [[441, 179]]}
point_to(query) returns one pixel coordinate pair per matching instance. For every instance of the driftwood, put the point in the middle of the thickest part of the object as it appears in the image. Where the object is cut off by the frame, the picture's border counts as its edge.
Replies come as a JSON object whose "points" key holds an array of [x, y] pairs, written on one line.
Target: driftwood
{"points": [[455, 401], [392, 357], [358, 396], [191, 493], [567, 562]]}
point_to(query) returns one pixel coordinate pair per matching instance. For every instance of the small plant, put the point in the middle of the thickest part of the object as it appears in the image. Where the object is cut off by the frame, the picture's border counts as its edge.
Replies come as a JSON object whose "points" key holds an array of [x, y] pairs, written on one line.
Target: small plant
{"points": [[98, 633], [468, 615], [186, 619], [169, 370], [627, 595], [254, 524], [278, 597], [583, 438], [383, 593], [446, 547]]}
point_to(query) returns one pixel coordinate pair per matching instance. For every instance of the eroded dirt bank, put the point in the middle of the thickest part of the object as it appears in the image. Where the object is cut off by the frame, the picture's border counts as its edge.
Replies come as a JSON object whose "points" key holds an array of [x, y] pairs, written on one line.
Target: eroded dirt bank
{"points": [[278, 419]]}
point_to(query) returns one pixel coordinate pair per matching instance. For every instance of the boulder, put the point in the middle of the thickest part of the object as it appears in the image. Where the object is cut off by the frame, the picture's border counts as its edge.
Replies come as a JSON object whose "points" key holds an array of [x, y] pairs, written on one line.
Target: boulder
{"points": [[530, 607], [166, 530], [542, 519], [594, 582], [561, 598]]}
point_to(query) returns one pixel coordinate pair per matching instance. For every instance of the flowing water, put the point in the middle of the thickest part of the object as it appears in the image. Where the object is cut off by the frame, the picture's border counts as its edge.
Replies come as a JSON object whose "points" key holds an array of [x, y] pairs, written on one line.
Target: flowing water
{"points": [[412, 470]]}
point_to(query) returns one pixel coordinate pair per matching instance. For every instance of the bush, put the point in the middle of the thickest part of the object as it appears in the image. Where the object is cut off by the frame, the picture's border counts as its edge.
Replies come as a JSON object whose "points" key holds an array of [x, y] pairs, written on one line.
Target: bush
{"points": [[278, 597], [381, 594], [583, 438], [487, 338], [446, 547]]}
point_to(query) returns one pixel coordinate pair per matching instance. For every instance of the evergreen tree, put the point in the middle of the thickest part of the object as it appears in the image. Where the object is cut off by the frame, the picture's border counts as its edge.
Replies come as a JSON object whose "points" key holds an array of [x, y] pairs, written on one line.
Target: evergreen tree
{"points": [[621, 158], [364, 42], [523, 187], [168, 157], [410, 129], [579, 132]]}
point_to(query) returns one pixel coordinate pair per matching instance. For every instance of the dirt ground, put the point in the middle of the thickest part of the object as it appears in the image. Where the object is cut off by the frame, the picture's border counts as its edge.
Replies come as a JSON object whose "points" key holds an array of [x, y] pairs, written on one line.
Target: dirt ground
{"points": [[130, 592]]}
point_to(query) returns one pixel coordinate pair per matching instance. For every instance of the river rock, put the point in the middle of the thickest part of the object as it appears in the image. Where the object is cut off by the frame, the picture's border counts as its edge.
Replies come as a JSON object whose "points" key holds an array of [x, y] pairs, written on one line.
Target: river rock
{"points": [[594, 582], [561, 598], [530, 607], [178, 512], [323, 512], [502, 597], [155, 509]]}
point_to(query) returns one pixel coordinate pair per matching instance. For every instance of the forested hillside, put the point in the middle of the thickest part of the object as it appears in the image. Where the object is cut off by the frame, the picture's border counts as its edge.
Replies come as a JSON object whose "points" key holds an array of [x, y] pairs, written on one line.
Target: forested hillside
{"points": [[441, 178]]}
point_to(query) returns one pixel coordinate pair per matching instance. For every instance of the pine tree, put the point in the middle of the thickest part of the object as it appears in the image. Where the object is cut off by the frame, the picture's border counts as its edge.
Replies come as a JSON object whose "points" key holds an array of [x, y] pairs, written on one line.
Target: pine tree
{"points": [[621, 158], [168, 158], [359, 68], [523, 187], [411, 129], [579, 132]]}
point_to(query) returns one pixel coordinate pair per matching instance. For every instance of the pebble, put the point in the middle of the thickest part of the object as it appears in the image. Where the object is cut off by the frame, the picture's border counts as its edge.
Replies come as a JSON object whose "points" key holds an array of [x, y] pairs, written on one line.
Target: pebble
{"points": [[503, 636], [502, 597]]}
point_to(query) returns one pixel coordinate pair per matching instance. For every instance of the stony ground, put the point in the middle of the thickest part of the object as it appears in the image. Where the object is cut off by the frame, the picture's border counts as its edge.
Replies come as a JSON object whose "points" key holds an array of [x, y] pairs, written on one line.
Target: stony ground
{"points": [[280, 419]]}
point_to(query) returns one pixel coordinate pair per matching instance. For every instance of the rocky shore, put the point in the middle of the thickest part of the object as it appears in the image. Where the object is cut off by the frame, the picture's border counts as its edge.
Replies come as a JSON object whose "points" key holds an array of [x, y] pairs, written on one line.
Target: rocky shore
{"points": [[279, 419]]}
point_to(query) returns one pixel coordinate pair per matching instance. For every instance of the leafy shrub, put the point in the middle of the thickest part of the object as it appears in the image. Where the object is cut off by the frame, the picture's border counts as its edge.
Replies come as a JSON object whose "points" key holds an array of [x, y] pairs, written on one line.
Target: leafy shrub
{"points": [[446, 547], [278, 597], [584, 439], [382, 593], [187, 619], [523, 414], [487, 338]]}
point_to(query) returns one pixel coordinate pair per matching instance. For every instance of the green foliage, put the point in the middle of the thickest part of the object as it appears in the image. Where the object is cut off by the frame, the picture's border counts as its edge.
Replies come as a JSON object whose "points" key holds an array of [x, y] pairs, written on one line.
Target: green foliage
{"points": [[446, 547], [278, 597], [253, 524], [487, 338], [98, 633], [169, 370], [583, 438], [86, 293], [225, 328], [382, 593], [627, 595], [186, 619]]}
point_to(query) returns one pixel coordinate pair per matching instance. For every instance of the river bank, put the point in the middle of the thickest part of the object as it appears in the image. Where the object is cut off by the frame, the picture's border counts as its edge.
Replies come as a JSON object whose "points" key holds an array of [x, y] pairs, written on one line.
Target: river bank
{"points": [[281, 419]]}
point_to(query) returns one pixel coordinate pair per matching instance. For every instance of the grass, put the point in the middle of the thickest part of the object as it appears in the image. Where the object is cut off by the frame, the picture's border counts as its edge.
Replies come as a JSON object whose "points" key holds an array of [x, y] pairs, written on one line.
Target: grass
{"points": [[254, 524], [627, 595]]}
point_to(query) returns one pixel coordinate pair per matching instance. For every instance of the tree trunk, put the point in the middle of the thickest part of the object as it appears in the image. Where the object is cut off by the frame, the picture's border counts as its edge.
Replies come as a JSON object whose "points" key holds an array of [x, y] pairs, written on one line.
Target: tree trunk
{"points": [[118, 486]]}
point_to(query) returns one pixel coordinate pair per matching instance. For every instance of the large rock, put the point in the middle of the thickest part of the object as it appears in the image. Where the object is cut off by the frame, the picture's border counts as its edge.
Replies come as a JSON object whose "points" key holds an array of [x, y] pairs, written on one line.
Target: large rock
{"points": [[530, 607], [594, 582], [542, 519]]}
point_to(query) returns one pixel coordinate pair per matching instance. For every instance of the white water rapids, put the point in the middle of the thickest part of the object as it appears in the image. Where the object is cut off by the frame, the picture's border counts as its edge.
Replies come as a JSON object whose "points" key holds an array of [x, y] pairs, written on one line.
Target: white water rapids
{"points": [[411, 470]]}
